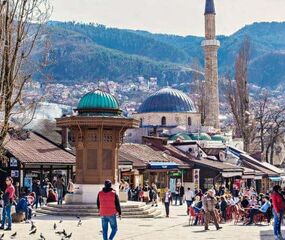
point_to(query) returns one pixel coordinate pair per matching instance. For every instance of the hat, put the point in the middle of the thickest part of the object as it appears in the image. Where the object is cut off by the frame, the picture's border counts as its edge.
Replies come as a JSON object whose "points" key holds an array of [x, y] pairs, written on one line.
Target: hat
{"points": [[108, 183]]}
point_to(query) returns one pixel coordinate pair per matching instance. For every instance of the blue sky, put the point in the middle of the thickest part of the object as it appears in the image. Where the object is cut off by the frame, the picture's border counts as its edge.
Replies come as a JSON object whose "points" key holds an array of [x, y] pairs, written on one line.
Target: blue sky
{"points": [[182, 17]]}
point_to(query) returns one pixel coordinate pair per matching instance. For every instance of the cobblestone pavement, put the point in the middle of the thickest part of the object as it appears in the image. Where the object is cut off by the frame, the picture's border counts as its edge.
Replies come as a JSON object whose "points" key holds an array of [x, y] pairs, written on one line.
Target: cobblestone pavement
{"points": [[176, 227]]}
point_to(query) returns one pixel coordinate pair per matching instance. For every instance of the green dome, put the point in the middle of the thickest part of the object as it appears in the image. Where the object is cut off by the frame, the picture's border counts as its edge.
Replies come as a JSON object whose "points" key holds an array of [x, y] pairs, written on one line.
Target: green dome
{"points": [[182, 136], [201, 137], [218, 138], [98, 102]]}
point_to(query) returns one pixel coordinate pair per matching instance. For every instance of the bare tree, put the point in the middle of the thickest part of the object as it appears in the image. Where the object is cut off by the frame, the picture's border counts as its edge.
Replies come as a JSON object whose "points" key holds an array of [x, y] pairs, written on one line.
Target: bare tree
{"points": [[199, 90], [237, 95], [270, 118], [21, 25]]}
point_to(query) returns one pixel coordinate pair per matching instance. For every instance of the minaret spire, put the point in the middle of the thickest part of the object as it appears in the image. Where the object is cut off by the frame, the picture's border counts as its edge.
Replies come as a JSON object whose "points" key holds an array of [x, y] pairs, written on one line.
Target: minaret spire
{"points": [[210, 7], [211, 45]]}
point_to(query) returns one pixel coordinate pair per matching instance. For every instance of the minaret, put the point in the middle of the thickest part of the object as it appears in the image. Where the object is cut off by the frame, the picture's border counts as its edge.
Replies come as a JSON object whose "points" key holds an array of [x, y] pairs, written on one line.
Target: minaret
{"points": [[211, 45]]}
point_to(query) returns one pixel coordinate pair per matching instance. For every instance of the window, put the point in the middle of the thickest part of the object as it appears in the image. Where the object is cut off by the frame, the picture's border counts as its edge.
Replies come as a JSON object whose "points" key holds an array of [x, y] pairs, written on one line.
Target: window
{"points": [[189, 121], [163, 121], [208, 183]]}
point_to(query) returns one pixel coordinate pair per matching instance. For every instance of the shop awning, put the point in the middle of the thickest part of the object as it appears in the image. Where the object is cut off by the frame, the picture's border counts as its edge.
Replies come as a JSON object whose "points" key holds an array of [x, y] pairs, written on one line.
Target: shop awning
{"points": [[162, 165], [275, 179], [231, 174]]}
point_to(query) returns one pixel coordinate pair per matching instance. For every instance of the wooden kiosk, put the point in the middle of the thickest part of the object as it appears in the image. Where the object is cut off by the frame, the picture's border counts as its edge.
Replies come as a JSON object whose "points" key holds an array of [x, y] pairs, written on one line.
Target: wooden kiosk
{"points": [[96, 132]]}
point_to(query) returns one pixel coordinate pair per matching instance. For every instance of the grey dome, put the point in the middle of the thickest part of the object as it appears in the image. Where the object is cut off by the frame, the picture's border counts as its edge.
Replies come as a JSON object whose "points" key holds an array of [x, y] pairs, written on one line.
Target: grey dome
{"points": [[167, 100]]}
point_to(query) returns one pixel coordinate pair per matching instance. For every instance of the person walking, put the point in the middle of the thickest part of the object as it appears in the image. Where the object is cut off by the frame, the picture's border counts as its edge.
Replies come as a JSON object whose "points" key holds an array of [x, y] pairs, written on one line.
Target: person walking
{"points": [[189, 197], [109, 205], [166, 199], [38, 192], [154, 195], [59, 185], [8, 198], [209, 204], [278, 211]]}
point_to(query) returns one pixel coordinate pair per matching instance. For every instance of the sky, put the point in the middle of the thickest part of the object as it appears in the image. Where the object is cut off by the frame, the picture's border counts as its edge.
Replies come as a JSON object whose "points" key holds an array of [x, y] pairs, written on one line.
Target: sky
{"points": [[181, 17]]}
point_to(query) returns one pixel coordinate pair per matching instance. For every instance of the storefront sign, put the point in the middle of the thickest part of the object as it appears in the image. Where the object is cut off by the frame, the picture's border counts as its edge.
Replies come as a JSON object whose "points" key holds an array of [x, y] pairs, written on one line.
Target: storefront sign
{"points": [[13, 162], [14, 173], [28, 181], [196, 178]]}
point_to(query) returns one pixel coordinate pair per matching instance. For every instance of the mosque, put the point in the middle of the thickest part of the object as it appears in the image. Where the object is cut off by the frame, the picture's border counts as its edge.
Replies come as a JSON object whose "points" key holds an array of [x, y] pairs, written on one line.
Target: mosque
{"points": [[170, 112]]}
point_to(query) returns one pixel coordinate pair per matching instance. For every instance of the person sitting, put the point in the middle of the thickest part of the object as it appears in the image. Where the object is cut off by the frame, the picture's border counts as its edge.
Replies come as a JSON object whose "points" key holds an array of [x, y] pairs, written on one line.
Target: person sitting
{"points": [[24, 206], [263, 209], [51, 196], [253, 201], [197, 206], [244, 203], [230, 200]]}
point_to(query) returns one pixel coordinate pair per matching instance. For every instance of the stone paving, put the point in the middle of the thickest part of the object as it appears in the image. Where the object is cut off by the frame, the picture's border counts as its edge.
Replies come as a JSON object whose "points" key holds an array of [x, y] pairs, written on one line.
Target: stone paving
{"points": [[176, 227]]}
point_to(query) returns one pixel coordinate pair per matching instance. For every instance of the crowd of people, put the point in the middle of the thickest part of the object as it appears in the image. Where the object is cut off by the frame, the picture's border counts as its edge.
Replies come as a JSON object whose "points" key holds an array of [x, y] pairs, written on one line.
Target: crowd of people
{"points": [[216, 206], [24, 200]]}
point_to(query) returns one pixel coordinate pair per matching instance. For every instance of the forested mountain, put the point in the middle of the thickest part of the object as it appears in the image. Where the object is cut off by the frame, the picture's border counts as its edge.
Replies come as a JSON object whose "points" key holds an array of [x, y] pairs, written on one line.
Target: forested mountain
{"points": [[88, 52]]}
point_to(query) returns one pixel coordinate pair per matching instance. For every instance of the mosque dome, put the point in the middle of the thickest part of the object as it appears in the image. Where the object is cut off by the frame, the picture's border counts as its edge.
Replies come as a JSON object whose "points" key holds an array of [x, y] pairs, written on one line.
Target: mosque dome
{"points": [[218, 137], [201, 137], [167, 100], [98, 103]]}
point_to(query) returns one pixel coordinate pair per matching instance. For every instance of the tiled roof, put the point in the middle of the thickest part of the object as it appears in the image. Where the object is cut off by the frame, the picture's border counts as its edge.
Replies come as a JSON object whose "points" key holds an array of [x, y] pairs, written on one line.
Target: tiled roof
{"points": [[141, 154], [38, 150]]}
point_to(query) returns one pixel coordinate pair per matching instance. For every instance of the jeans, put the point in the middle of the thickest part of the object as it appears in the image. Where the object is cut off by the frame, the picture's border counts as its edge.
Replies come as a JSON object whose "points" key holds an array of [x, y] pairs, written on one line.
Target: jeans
{"points": [[277, 222], [37, 201], [6, 215], [113, 223], [166, 204], [59, 195], [176, 198]]}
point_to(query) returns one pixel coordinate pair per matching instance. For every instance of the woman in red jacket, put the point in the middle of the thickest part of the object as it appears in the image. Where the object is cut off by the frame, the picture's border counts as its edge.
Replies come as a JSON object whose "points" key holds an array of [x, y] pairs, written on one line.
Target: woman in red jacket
{"points": [[278, 211], [8, 198]]}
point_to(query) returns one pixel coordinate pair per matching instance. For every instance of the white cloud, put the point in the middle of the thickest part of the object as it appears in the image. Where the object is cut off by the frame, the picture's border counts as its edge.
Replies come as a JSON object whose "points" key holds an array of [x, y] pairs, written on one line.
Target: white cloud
{"points": [[182, 17]]}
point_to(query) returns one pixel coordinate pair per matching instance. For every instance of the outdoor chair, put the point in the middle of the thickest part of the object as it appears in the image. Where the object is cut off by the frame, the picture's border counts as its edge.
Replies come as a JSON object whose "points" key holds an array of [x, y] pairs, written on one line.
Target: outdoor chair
{"points": [[193, 215]]}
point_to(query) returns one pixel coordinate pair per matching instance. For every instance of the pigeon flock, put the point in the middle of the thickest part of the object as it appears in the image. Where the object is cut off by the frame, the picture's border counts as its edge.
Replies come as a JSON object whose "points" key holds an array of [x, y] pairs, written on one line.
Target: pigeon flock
{"points": [[33, 231]]}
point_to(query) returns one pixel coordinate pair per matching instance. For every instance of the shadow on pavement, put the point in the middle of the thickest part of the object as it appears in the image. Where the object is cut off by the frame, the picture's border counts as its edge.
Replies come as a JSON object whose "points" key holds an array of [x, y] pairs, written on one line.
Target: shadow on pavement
{"points": [[267, 235]]}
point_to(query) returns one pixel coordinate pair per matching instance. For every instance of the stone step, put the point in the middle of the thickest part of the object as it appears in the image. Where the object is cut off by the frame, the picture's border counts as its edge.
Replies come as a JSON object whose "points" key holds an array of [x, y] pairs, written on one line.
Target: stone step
{"points": [[95, 210], [90, 206], [155, 213]]}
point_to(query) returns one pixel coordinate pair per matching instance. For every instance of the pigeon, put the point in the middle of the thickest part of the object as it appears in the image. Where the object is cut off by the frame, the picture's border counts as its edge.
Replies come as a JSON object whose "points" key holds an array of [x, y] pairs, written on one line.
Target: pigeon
{"points": [[2, 236], [33, 226], [54, 226], [33, 232], [58, 232], [60, 221], [79, 223], [64, 233], [68, 236], [14, 235], [78, 217], [42, 237]]}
